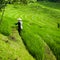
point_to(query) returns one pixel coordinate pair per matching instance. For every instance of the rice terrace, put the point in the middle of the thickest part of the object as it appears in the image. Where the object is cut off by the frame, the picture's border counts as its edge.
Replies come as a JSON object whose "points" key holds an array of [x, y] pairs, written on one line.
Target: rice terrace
{"points": [[29, 29]]}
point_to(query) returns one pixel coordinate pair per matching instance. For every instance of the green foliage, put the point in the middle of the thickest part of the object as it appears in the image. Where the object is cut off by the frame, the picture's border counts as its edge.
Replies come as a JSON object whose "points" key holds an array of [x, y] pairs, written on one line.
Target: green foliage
{"points": [[3, 3], [50, 0], [25, 1], [39, 28], [54, 0], [4, 27]]}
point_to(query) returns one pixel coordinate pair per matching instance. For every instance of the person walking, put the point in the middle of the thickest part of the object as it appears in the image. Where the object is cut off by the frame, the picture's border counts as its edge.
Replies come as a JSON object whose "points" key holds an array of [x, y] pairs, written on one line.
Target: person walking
{"points": [[19, 25]]}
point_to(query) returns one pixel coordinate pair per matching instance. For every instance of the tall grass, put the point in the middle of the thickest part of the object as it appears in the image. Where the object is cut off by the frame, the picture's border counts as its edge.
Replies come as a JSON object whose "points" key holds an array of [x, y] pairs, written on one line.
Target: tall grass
{"points": [[39, 27]]}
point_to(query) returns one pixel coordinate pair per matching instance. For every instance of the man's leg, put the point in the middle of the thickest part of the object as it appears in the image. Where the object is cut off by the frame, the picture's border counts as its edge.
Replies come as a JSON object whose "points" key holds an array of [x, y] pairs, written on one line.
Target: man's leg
{"points": [[19, 31]]}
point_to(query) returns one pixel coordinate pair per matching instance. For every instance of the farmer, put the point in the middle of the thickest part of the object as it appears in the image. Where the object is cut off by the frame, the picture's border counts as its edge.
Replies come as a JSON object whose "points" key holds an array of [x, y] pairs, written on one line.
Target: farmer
{"points": [[19, 25]]}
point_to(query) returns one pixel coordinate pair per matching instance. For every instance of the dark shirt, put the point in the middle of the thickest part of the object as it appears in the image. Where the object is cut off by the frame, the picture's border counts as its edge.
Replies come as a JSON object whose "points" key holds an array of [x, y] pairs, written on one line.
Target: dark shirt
{"points": [[19, 25]]}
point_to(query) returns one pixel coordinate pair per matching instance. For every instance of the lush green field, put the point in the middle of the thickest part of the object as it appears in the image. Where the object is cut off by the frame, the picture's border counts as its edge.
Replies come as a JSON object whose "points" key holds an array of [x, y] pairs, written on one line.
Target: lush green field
{"points": [[40, 33]]}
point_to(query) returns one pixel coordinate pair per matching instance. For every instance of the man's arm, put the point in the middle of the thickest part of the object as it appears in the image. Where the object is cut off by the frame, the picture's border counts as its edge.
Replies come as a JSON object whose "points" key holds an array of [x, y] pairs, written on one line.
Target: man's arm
{"points": [[16, 23]]}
